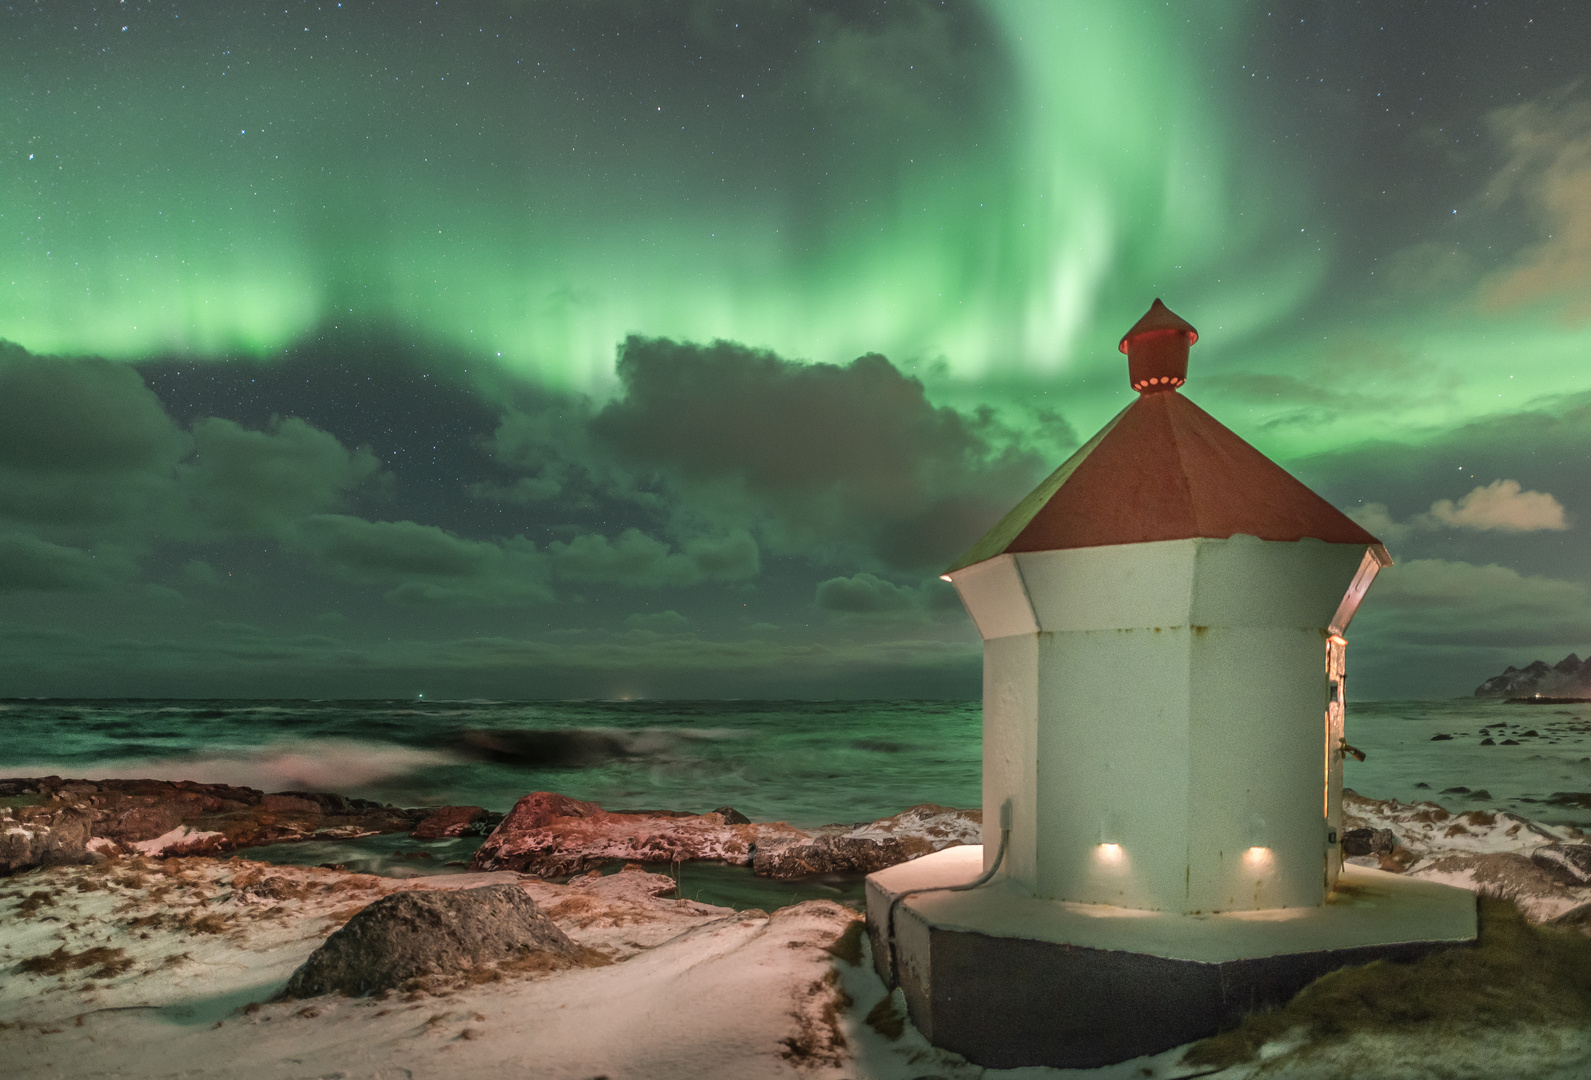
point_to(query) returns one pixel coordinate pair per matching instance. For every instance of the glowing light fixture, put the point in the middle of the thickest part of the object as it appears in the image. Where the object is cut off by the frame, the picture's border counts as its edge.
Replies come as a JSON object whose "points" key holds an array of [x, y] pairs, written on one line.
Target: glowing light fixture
{"points": [[1110, 853], [1258, 858]]}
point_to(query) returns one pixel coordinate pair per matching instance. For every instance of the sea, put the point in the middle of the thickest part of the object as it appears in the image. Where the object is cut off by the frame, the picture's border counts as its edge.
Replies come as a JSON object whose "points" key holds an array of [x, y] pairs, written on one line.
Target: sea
{"points": [[806, 762]]}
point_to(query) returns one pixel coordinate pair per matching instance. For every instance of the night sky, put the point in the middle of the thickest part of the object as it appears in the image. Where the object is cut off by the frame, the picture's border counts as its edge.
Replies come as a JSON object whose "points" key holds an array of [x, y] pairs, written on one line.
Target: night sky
{"points": [[601, 348]]}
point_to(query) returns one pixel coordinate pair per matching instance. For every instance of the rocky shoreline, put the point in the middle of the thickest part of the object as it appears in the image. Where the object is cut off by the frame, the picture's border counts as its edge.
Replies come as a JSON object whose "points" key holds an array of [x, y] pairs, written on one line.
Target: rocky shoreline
{"points": [[47, 821], [127, 962]]}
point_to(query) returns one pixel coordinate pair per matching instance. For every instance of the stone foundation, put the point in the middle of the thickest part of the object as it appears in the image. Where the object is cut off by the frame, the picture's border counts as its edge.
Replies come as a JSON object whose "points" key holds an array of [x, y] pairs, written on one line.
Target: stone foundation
{"points": [[1008, 980]]}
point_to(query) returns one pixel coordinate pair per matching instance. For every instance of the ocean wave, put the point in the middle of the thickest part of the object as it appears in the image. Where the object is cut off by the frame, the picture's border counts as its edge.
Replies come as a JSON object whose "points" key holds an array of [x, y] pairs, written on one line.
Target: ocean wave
{"points": [[575, 748], [306, 765]]}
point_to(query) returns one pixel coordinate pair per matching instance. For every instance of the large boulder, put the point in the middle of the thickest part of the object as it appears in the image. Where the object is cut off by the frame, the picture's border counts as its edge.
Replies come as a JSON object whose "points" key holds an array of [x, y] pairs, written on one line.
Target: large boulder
{"points": [[552, 835], [1368, 842], [434, 939], [163, 817], [1570, 864], [43, 835]]}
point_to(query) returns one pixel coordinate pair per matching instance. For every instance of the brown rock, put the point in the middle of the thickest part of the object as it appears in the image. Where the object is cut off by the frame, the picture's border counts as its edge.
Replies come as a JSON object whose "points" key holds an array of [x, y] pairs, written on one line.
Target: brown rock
{"points": [[1368, 842], [126, 815], [451, 821], [140, 822], [290, 804], [829, 855], [552, 835]]}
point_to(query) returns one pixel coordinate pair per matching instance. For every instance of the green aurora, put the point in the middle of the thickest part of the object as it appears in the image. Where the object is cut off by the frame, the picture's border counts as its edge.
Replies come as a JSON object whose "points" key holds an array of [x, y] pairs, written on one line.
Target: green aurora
{"points": [[985, 193], [999, 202]]}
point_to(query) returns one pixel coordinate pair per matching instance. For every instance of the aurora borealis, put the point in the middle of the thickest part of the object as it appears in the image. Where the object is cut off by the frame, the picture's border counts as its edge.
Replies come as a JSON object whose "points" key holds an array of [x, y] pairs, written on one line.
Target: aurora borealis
{"points": [[511, 347]]}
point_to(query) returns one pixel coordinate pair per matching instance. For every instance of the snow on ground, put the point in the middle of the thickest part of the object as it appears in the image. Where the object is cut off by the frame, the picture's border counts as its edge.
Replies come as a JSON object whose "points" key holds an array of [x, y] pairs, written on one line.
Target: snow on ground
{"points": [[1480, 850], [1428, 830], [148, 968]]}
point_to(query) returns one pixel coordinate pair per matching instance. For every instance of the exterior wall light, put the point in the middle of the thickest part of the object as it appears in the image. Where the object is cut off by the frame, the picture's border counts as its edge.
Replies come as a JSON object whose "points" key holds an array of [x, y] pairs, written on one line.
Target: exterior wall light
{"points": [[1258, 858]]}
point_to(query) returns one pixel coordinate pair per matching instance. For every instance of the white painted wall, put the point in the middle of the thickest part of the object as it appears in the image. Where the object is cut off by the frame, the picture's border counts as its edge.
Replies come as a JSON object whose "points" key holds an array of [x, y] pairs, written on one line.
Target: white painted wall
{"points": [[1166, 697]]}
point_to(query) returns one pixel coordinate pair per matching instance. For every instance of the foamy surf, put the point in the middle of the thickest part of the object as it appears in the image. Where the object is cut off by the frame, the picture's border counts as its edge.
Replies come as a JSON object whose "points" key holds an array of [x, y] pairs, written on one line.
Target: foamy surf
{"points": [[303, 765]]}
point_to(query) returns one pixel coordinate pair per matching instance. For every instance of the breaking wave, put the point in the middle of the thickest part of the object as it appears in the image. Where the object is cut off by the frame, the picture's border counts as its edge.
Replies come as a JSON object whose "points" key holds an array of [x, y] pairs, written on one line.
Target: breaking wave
{"points": [[307, 765]]}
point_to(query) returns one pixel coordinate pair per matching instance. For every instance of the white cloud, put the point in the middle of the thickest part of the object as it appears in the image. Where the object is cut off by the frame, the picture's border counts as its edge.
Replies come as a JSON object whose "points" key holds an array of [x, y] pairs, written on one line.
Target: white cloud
{"points": [[1501, 505]]}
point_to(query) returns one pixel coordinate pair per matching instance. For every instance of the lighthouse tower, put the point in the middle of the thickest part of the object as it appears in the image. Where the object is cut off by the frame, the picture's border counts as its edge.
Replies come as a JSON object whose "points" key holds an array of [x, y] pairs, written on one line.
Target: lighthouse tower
{"points": [[1164, 625]]}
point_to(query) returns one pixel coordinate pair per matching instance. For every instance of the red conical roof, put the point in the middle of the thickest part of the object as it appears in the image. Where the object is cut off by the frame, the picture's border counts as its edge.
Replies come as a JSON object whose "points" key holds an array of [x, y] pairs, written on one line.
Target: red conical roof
{"points": [[1158, 317], [1164, 469]]}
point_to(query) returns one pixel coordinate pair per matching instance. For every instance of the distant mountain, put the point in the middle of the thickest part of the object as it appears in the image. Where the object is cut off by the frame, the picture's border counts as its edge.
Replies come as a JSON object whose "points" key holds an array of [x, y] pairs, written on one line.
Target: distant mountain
{"points": [[1569, 677]]}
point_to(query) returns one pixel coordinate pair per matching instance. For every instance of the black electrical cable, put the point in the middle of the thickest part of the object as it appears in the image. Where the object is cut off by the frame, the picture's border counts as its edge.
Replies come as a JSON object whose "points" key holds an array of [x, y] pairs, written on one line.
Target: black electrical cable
{"points": [[982, 879]]}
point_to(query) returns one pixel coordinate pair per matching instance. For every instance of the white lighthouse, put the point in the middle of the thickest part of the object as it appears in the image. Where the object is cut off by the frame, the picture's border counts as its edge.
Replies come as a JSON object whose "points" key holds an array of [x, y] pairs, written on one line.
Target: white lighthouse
{"points": [[1164, 626]]}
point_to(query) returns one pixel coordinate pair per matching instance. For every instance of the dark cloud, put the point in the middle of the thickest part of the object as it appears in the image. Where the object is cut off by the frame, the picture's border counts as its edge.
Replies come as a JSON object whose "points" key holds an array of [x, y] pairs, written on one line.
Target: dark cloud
{"points": [[1438, 627], [866, 597], [639, 560], [425, 564], [82, 442], [28, 563], [865, 594], [263, 481], [829, 459], [1549, 170], [658, 622], [86, 445]]}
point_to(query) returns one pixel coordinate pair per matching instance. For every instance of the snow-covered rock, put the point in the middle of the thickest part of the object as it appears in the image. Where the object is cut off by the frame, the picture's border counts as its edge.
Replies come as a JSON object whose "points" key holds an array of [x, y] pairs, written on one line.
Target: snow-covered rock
{"points": [[43, 836], [1495, 852]]}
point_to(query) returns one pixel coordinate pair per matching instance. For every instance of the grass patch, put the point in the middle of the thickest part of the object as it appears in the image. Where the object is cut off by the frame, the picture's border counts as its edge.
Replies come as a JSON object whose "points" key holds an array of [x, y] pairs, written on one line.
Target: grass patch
{"points": [[214, 923], [106, 962], [1516, 975], [34, 901], [848, 946], [886, 1019]]}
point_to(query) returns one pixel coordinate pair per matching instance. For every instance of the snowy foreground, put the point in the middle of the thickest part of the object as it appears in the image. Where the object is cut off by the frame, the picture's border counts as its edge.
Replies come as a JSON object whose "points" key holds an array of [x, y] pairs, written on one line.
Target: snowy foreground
{"points": [[141, 967]]}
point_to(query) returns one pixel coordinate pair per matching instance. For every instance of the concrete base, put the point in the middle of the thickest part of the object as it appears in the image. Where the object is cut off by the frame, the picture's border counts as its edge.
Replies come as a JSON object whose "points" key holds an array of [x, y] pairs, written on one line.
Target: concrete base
{"points": [[1006, 979]]}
